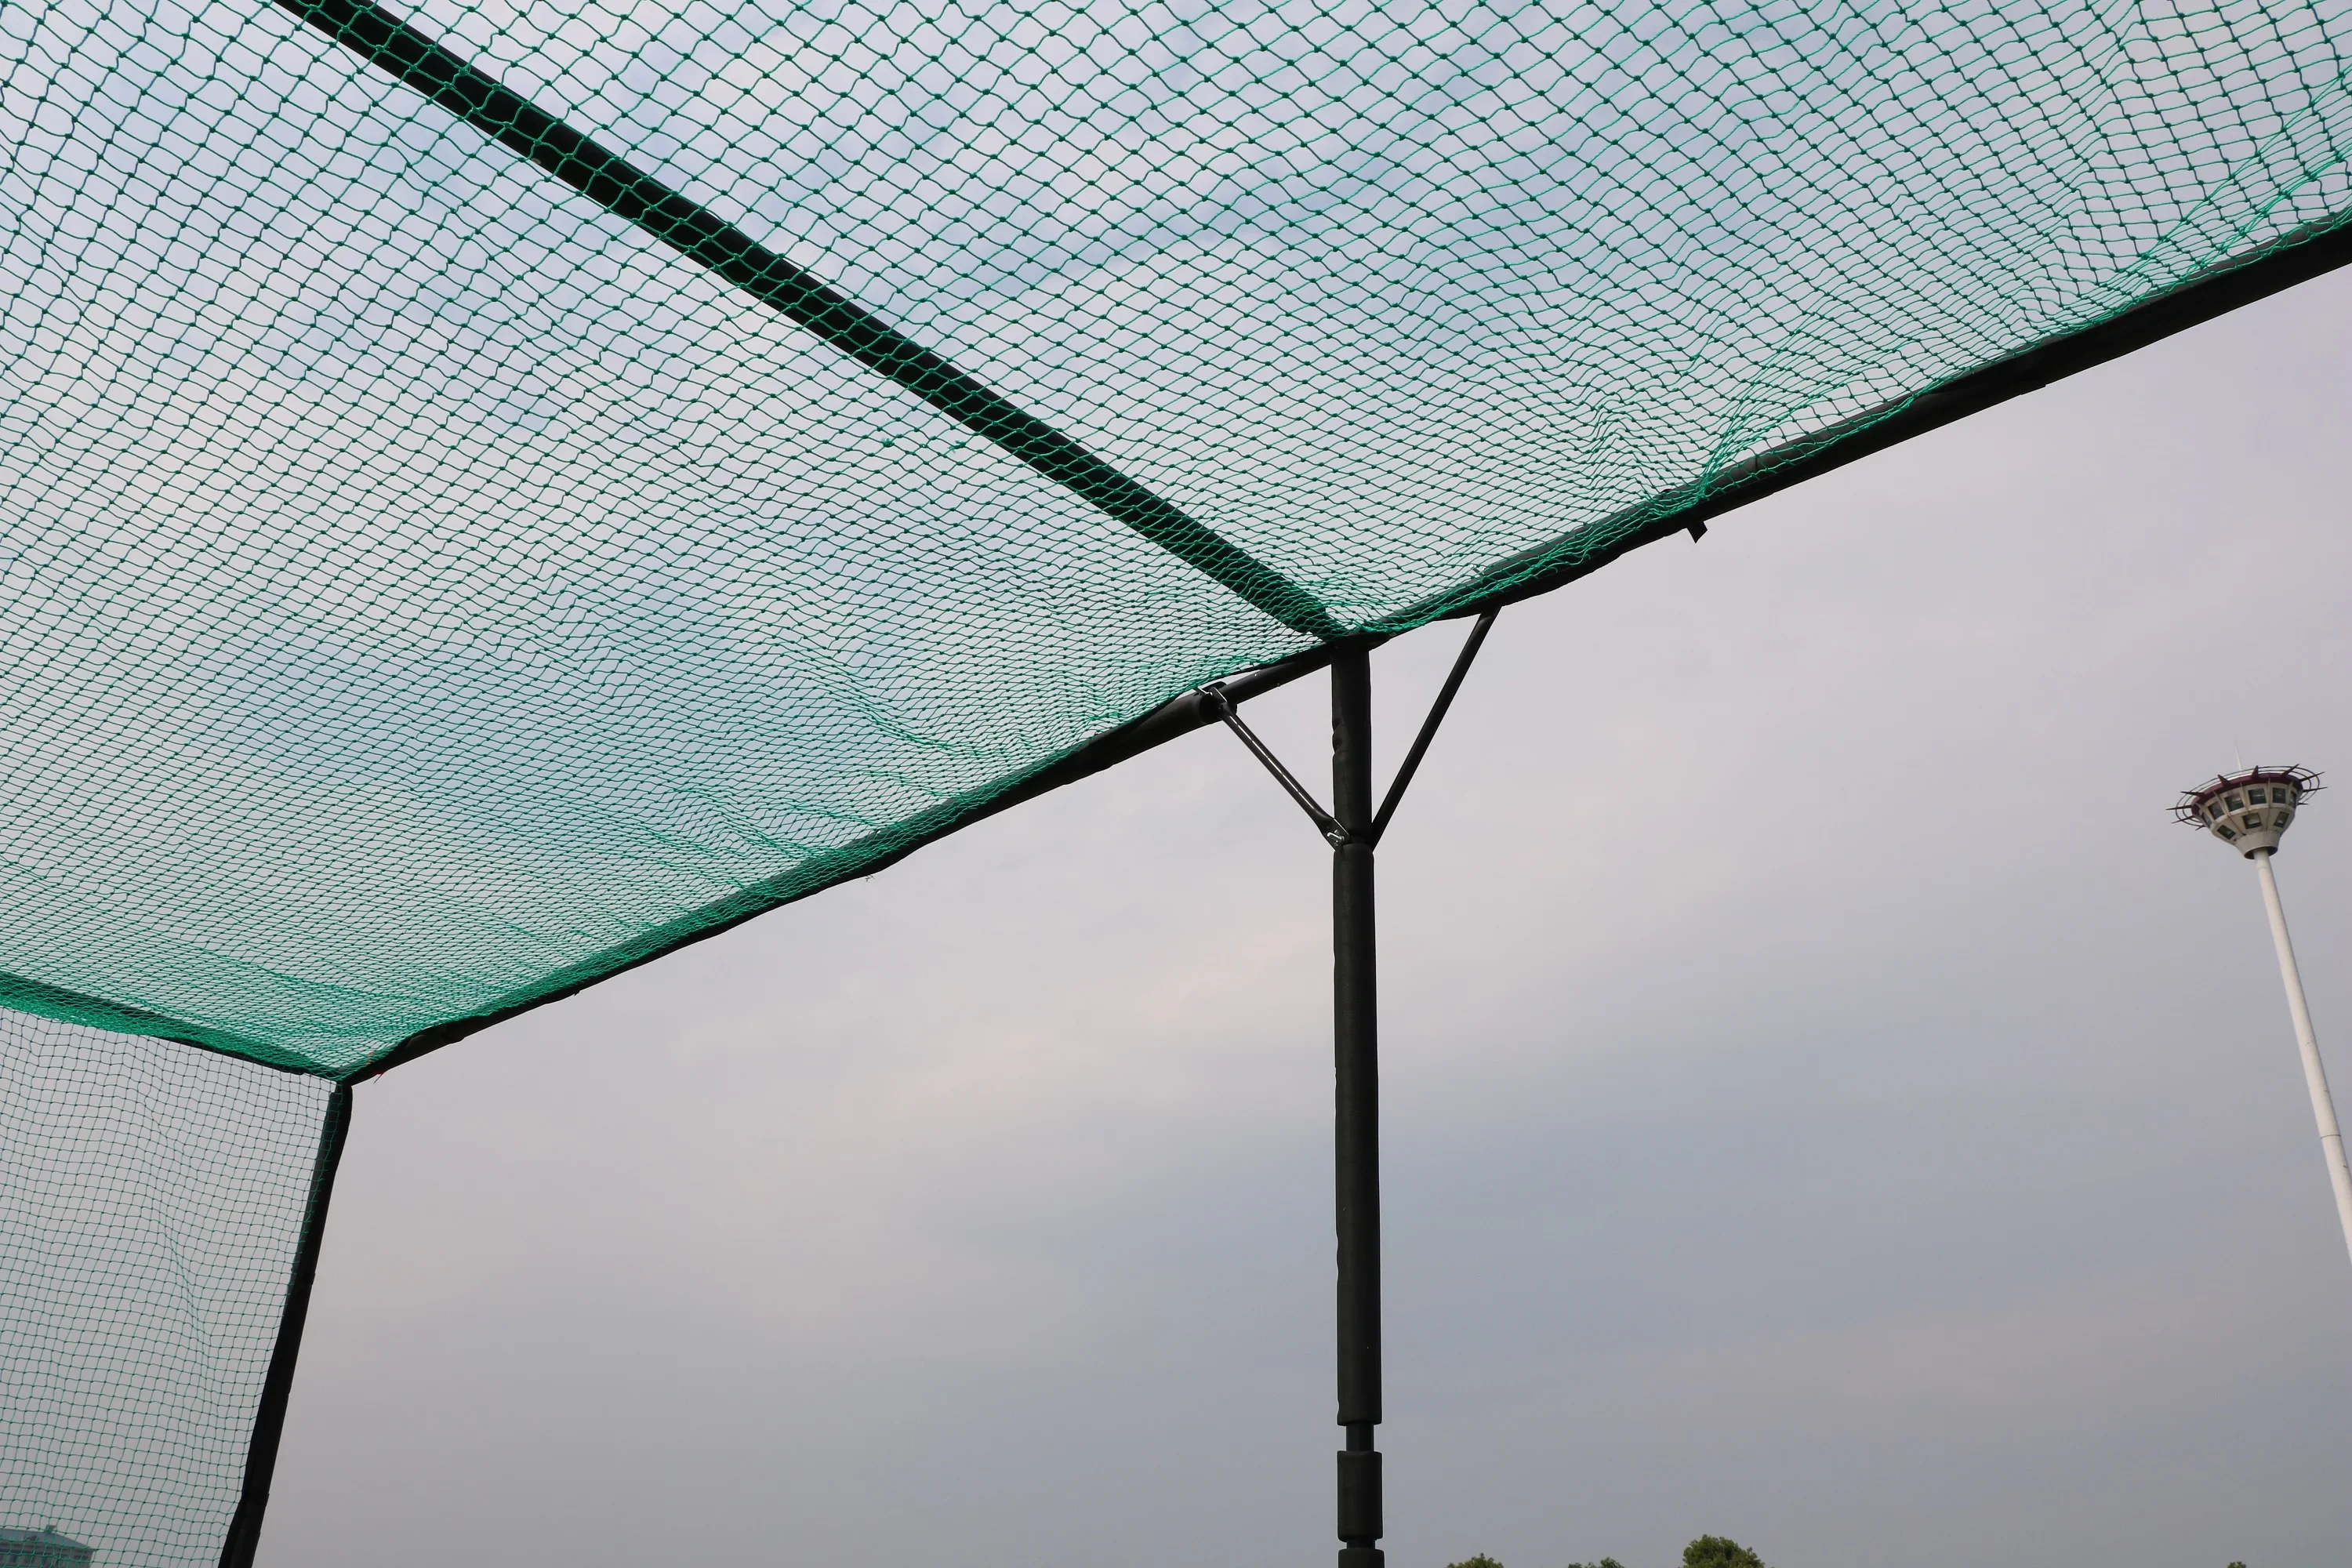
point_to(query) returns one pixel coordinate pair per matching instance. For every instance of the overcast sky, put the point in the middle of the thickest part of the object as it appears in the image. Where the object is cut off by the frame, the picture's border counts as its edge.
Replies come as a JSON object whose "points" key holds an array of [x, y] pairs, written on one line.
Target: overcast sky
{"points": [[1828, 1101]]}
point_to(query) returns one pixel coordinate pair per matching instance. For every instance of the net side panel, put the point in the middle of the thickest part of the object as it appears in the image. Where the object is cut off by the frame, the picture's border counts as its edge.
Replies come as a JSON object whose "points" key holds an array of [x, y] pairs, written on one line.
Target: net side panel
{"points": [[151, 1199]]}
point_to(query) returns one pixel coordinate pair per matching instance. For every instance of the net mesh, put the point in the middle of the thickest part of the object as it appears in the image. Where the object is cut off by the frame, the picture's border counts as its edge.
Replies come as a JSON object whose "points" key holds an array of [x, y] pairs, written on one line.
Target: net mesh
{"points": [[492, 491], [429, 589], [151, 1197]]}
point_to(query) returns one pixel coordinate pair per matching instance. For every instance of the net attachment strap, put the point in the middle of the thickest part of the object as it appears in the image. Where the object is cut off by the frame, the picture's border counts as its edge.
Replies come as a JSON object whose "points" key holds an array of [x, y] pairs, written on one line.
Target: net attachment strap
{"points": [[1223, 703], [628, 193]]}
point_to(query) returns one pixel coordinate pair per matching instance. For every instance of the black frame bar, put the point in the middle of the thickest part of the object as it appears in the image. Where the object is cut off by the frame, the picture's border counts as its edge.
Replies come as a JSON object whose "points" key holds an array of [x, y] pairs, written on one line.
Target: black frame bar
{"points": [[278, 1383]]}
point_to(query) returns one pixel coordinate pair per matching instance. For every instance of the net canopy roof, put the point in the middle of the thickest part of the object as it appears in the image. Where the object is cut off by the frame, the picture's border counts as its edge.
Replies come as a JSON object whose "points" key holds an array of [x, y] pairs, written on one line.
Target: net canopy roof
{"points": [[488, 492]]}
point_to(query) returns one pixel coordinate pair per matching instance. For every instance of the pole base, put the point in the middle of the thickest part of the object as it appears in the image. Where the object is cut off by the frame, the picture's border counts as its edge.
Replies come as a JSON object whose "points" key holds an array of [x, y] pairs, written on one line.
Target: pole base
{"points": [[1361, 1557]]}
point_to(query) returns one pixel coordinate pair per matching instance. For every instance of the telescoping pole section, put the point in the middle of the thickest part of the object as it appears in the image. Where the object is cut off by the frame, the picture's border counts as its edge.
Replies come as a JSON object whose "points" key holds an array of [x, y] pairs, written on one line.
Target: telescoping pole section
{"points": [[1357, 1086], [278, 1383], [1353, 828]]}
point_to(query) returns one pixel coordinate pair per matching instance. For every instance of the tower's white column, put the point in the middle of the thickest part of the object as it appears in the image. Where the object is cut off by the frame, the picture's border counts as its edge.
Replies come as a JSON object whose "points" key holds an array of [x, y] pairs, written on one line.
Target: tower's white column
{"points": [[2323, 1106]]}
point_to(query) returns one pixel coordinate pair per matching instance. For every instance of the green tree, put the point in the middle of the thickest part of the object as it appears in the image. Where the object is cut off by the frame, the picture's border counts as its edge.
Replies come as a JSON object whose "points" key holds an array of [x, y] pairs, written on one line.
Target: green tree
{"points": [[1720, 1552], [1481, 1560], [1604, 1563]]}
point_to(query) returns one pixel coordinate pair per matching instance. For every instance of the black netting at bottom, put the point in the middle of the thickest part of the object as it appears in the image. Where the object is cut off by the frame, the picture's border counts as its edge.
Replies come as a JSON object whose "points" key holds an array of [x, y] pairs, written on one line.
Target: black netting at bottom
{"points": [[150, 1200]]}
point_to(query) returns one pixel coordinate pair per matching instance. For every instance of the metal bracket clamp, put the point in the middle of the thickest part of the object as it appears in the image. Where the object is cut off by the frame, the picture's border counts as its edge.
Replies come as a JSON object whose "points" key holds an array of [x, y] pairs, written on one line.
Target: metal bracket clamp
{"points": [[1333, 830]]}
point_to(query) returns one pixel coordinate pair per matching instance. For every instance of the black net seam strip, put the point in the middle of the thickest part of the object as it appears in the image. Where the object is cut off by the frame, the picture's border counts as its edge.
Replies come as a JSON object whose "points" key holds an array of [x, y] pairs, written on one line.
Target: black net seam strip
{"points": [[41, 998], [449, 81]]}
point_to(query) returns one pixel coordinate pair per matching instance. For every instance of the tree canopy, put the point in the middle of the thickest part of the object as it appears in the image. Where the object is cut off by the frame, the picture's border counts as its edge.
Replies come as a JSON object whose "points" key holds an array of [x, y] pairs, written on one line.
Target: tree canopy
{"points": [[1707, 1552]]}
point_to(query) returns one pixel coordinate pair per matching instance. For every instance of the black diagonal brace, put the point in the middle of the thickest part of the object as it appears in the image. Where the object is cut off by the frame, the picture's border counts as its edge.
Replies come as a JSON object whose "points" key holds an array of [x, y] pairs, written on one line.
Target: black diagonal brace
{"points": [[1325, 822], [695, 232], [1412, 764]]}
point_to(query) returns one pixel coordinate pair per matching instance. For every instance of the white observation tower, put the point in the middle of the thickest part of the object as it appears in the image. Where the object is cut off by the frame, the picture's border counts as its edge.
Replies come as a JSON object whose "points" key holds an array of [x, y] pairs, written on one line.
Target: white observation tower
{"points": [[2248, 811]]}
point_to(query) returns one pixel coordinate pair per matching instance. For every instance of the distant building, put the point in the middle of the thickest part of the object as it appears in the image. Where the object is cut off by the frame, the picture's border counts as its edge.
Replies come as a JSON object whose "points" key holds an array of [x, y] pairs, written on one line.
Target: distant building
{"points": [[41, 1549]]}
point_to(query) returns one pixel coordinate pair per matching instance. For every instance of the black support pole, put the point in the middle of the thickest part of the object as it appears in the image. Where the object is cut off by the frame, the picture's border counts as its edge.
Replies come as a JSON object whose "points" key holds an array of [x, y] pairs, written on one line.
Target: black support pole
{"points": [[278, 1383], [1356, 1041]]}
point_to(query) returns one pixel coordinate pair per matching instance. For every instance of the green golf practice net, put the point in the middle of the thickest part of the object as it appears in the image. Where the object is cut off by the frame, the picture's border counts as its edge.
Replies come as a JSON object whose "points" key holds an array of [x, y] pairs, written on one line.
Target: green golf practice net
{"points": [[425, 588], [489, 493], [150, 1198]]}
